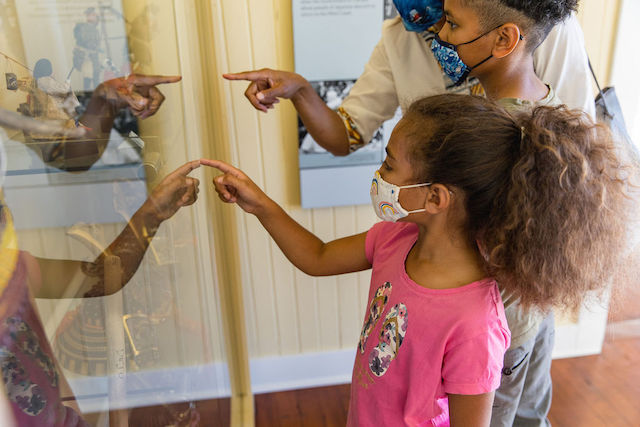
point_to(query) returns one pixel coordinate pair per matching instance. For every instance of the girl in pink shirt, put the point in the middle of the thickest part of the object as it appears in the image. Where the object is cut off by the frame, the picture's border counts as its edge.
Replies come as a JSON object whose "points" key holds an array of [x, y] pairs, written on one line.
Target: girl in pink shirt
{"points": [[469, 195]]}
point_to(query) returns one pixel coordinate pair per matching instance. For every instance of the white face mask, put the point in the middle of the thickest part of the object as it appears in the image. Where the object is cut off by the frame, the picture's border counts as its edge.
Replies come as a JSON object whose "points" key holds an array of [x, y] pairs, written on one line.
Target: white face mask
{"points": [[384, 198]]}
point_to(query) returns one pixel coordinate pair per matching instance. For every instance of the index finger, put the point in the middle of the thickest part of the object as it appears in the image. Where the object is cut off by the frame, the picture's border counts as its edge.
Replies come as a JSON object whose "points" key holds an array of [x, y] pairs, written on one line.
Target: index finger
{"points": [[142, 80], [247, 75], [187, 168], [221, 166]]}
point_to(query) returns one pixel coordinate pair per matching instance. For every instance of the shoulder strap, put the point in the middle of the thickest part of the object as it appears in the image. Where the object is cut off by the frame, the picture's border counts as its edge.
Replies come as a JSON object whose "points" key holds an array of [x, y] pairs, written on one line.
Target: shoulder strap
{"points": [[604, 102]]}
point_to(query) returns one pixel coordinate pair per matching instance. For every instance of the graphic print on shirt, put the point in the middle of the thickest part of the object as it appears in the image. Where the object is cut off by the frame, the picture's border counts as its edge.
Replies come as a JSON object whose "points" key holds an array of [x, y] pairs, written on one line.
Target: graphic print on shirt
{"points": [[376, 308], [392, 335]]}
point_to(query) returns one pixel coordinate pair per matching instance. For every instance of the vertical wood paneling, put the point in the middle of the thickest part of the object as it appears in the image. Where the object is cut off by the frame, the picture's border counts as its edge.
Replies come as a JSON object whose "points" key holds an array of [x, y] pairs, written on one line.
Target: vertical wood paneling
{"points": [[266, 147], [365, 220], [306, 293], [211, 324], [287, 307], [301, 332], [224, 50], [329, 325], [262, 18], [348, 288], [248, 147]]}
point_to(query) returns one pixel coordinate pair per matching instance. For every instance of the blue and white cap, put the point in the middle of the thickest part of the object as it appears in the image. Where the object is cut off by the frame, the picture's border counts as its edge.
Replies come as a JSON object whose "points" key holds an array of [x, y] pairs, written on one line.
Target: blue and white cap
{"points": [[419, 15]]}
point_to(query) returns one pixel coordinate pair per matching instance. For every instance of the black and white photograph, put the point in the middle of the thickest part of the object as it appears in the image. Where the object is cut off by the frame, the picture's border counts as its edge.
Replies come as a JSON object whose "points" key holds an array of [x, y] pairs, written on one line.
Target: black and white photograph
{"points": [[389, 10], [313, 155]]}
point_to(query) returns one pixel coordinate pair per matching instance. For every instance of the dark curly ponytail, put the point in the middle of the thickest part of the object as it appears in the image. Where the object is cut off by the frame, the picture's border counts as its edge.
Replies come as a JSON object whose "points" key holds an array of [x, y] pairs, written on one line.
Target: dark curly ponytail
{"points": [[542, 192]]}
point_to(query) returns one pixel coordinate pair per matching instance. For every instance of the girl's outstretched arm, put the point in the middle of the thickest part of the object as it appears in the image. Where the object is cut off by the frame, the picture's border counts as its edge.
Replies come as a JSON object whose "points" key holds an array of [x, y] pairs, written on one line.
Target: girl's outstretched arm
{"points": [[306, 251]]}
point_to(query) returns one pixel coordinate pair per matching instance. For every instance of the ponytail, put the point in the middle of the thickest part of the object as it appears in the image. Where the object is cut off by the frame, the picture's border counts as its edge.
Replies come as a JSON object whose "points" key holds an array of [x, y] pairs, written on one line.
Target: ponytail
{"points": [[560, 229], [543, 192]]}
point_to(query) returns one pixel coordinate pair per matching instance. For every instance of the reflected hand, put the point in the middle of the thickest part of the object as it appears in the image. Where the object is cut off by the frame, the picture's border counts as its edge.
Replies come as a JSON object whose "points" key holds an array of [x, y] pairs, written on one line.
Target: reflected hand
{"points": [[175, 191], [137, 91], [234, 186], [268, 85]]}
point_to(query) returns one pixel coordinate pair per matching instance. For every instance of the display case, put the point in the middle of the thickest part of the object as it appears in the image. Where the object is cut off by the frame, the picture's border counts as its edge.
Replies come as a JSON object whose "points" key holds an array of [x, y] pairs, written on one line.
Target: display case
{"points": [[98, 129]]}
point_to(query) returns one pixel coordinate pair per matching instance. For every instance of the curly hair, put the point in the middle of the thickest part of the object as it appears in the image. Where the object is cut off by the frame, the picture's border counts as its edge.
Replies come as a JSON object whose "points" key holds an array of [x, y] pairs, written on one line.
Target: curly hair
{"points": [[535, 18], [548, 11], [543, 192]]}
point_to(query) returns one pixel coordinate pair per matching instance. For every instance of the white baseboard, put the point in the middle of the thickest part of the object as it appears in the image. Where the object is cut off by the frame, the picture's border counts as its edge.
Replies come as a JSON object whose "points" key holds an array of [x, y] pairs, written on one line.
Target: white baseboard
{"points": [[584, 338], [150, 388], [184, 384], [306, 370]]}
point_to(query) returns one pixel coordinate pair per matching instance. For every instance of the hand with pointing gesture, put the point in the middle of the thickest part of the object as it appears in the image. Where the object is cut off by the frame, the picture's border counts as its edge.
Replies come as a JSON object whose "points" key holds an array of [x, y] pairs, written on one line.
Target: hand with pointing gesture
{"points": [[234, 186], [268, 85], [137, 91], [176, 190]]}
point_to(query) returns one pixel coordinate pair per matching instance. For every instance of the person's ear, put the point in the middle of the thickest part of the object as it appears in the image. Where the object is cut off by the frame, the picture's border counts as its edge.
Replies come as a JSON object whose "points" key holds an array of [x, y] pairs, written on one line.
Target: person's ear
{"points": [[438, 199], [508, 38]]}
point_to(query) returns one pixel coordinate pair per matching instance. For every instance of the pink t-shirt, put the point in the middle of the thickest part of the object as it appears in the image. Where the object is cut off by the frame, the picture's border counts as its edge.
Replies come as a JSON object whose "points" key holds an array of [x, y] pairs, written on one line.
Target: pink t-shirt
{"points": [[418, 344]]}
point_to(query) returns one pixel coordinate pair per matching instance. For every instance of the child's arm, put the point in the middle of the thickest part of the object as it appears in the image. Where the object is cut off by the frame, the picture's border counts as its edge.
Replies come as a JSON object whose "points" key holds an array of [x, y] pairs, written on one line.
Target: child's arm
{"points": [[470, 410], [302, 248]]}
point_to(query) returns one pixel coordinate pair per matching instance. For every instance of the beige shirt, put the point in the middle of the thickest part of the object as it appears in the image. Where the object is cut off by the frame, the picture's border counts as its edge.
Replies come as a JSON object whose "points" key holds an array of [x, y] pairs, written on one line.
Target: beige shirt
{"points": [[517, 104]]}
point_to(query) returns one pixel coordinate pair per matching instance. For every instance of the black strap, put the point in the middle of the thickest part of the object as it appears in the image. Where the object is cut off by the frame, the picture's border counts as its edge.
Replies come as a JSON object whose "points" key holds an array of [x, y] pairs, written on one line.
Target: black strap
{"points": [[604, 102]]}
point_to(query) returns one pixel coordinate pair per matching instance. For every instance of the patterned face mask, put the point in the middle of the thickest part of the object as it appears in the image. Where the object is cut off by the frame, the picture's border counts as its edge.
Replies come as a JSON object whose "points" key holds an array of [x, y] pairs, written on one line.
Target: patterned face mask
{"points": [[384, 198], [419, 15], [447, 55]]}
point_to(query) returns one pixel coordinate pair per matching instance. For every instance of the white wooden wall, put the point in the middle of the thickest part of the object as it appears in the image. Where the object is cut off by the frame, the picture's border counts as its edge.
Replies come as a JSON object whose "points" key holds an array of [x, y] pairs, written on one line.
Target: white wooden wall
{"points": [[287, 312]]}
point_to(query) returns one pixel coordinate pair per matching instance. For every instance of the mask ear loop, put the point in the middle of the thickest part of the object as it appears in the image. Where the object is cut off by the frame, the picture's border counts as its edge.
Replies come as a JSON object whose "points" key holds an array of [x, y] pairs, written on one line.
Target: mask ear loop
{"points": [[520, 37], [426, 184], [415, 185], [420, 185]]}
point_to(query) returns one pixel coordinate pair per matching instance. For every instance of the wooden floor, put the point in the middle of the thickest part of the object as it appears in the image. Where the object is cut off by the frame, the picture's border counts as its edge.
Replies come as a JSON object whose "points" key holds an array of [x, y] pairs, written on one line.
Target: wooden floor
{"points": [[602, 390], [593, 391]]}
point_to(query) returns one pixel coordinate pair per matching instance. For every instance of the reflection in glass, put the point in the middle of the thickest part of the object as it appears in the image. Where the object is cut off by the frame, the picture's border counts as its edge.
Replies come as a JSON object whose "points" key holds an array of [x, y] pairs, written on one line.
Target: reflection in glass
{"points": [[106, 304]]}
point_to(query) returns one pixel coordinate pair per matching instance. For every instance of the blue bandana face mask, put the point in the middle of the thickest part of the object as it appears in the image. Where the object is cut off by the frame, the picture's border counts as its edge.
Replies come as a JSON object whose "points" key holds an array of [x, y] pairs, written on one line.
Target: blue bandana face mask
{"points": [[419, 15], [447, 55]]}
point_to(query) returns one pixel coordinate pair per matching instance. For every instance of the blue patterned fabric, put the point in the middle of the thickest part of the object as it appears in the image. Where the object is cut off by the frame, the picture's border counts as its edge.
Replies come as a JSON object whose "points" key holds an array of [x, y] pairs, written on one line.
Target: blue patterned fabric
{"points": [[448, 58], [419, 15]]}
